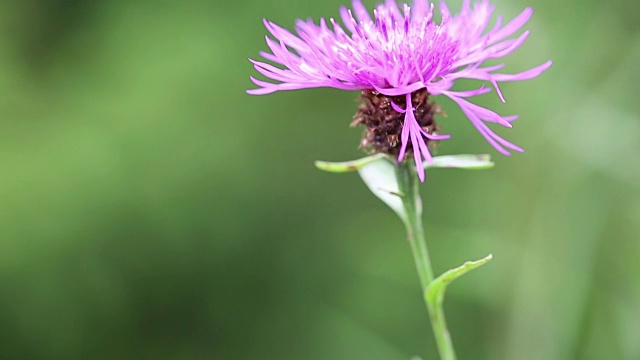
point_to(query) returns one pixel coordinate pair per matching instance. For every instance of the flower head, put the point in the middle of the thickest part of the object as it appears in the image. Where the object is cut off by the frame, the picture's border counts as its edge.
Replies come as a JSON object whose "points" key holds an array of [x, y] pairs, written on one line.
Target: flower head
{"points": [[400, 53]]}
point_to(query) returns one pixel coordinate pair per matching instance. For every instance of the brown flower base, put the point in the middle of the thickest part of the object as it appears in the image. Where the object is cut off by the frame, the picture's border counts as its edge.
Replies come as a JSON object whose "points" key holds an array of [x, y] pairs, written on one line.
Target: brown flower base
{"points": [[384, 124]]}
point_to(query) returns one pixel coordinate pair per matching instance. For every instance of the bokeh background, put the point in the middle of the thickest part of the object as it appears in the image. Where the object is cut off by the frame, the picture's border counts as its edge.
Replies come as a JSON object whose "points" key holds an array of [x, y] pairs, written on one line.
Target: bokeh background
{"points": [[150, 209]]}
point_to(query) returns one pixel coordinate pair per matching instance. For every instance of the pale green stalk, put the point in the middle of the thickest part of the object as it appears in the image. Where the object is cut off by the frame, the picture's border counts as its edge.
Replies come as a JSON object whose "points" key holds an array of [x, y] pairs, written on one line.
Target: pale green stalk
{"points": [[410, 194]]}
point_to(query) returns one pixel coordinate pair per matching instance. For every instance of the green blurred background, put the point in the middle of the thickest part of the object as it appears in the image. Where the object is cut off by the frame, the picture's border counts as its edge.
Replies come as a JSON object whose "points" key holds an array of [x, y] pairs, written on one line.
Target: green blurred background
{"points": [[153, 210]]}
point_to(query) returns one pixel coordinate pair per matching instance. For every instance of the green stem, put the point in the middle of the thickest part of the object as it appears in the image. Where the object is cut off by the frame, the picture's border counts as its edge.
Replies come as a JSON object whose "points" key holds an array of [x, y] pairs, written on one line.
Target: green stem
{"points": [[410, 194]]}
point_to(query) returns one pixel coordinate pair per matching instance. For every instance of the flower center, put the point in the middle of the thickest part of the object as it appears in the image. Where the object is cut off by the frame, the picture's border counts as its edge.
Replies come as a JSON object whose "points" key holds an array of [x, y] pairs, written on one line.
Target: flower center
{"points": [[384, 123]]}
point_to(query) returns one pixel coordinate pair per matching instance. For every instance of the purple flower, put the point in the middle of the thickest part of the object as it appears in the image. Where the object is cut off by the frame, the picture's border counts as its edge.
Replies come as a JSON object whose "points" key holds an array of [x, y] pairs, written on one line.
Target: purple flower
{"points": [[399, 52]]}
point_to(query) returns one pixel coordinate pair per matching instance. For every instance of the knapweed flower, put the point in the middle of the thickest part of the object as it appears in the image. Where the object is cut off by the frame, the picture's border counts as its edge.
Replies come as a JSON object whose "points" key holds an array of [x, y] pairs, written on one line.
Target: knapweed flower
{"points": [[398, 59]]}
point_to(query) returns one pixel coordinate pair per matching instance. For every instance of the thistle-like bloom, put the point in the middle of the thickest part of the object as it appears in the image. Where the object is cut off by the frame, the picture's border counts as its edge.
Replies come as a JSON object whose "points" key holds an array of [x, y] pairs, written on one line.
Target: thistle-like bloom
{"points": [[397, 58]]}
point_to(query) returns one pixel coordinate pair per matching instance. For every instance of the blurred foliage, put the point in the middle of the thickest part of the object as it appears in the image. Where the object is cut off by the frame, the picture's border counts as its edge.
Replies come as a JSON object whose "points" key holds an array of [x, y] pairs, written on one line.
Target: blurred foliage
{"points": [[152, 210]]}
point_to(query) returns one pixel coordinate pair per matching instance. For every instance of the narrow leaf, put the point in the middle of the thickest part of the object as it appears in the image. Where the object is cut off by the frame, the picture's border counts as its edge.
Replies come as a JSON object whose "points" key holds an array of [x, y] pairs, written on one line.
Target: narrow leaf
{"points": [[378, 173], [464, 161], [347, 166], [435, 291], [470, 162]]}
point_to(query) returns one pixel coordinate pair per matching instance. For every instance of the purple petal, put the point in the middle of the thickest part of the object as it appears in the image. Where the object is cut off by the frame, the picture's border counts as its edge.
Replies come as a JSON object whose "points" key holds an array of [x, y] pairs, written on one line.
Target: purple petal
{"points": [[513, 26], [525, 75], [361, 12]]}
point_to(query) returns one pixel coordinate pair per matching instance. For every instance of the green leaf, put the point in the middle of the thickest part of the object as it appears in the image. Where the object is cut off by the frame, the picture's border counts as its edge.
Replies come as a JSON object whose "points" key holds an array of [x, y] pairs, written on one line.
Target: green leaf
{"points": [[378, 173], [380, 178], [347, 166], [464, 161], [435, 291]]}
